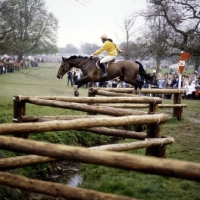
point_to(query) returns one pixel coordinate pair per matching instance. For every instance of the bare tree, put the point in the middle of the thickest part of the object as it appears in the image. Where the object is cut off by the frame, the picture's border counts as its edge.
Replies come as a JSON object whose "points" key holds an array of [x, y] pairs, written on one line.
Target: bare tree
{"points": [[127, 29], [183, 19], [155, 33]]}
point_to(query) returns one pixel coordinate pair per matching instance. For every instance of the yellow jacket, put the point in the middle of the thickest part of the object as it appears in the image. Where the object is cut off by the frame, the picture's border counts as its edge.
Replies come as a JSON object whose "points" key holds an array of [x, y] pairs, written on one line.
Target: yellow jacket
{"points": [[110, 47]]}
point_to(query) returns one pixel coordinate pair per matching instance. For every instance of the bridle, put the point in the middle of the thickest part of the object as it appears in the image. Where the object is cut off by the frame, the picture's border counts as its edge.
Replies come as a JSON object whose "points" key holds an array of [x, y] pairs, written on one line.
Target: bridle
{"points": [[65, 64]]}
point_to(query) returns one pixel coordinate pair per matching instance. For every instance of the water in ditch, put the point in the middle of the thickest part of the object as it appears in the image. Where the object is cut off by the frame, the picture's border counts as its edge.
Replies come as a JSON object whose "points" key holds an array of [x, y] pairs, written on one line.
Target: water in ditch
{"points": [[67, 176]]}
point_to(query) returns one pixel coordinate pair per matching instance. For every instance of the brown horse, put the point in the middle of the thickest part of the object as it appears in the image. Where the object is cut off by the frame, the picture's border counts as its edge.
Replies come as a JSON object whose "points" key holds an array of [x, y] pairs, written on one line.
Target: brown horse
{"points": [[126, 70]]}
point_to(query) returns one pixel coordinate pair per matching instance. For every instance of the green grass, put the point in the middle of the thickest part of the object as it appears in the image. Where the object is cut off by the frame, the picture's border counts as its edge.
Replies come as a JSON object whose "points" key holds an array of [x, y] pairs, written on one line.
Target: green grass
{"points": [[134, 184], [42, 81]]}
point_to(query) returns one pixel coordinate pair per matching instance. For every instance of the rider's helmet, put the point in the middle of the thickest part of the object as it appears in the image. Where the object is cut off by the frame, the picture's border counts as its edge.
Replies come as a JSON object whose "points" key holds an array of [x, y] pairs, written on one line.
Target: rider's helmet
{"points": [[104, 37]]}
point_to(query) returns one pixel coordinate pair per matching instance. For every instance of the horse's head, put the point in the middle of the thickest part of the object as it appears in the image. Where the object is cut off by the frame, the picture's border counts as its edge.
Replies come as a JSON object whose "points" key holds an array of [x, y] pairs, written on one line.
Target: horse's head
{"points": [[64, 68]]}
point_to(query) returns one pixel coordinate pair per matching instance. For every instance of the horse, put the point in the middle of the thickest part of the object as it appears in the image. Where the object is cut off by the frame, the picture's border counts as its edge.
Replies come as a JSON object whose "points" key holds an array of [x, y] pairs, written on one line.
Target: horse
{"points": [[126, 70]]}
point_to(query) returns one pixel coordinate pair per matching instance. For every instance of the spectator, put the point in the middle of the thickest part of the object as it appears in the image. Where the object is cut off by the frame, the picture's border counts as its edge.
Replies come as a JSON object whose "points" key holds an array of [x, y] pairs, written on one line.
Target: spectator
{"points": [[1, 68], [69, 78], [75, 77], [174, 83]]}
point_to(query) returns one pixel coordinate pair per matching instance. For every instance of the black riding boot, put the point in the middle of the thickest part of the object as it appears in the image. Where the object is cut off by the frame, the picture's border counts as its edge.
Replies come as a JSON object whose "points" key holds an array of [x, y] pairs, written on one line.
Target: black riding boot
{"points": [[103, 68]]}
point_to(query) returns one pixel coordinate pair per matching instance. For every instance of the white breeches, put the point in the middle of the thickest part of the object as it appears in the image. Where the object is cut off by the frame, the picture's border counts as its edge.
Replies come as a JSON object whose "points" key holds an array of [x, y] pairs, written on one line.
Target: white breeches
{"points": [[107, 59]]}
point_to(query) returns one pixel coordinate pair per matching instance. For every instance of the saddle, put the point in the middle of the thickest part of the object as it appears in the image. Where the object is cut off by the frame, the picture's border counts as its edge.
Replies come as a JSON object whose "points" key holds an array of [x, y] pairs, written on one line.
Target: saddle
{"points": [[98, 62]]}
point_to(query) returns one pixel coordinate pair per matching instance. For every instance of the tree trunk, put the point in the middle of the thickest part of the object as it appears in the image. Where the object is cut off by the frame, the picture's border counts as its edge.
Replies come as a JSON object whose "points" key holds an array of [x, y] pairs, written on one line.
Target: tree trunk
{"points": [[157, 65], [197, 63], [19, 58]]}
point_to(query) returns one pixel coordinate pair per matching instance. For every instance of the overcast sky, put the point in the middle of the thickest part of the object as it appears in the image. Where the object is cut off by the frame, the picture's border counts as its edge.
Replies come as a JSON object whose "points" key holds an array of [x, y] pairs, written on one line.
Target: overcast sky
{"points": [[85, 23]]}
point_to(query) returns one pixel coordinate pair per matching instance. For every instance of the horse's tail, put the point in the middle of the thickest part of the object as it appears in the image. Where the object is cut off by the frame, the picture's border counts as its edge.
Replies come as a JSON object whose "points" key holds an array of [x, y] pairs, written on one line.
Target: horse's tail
{"points": [[143, 73]]}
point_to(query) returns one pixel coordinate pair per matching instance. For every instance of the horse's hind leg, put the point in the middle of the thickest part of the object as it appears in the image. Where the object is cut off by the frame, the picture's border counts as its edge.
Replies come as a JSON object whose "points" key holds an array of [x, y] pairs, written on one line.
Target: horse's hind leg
{"points": [[137, 86]]}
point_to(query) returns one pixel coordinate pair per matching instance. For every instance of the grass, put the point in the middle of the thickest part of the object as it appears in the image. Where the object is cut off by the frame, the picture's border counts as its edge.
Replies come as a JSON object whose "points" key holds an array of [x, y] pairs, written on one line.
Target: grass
{"points": [[42, 81]]}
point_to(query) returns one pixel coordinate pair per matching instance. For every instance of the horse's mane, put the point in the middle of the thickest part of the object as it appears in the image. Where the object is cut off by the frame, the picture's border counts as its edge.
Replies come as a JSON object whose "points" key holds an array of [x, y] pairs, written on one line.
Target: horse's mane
{"points": [[75, 56]]}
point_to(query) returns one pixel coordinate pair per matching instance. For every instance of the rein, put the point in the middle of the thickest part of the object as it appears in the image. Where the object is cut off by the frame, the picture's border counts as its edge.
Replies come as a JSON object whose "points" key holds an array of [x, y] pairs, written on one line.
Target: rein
{"points": [[83, 62]]}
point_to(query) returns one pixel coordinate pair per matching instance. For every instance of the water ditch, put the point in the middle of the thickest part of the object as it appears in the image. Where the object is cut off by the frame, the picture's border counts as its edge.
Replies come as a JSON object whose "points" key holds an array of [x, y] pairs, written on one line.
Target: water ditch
{"points": [[67, 176]]}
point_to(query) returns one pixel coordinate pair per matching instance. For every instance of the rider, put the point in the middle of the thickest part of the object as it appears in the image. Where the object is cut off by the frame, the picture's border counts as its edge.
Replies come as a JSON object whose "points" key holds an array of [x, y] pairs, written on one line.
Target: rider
{"points": [[111, 49]]}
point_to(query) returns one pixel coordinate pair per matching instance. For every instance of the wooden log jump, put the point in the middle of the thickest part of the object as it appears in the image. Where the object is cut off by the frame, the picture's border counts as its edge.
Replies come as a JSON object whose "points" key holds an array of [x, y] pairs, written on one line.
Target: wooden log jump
{"points": [[150, 165], [82, 124], [153, 102]]}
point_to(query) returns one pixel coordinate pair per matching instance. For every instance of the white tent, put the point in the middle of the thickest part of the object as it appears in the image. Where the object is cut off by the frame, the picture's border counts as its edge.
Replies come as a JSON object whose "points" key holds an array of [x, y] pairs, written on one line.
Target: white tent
{"points": [[5, 56]]}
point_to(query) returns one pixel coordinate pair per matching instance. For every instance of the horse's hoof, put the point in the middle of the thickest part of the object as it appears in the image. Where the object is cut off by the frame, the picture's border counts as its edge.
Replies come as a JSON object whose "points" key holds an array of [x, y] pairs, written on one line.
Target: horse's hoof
{"points": [[76, 93]]}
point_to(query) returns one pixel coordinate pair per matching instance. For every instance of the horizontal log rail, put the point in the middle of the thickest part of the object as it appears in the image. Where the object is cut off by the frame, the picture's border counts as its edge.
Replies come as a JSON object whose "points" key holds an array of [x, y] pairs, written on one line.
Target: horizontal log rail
{"points": [[85, 108], [98, 130], [109, 93], [121, 99], [26, 118], [145, 164], [149, 142], [142, 105], [143, 90], [55, 189], [27, 160], [61, 125]]}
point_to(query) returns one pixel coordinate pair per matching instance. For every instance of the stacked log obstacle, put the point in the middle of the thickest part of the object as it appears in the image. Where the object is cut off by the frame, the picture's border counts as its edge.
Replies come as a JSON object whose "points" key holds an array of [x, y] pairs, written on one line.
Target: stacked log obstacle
{"points": [[141, 118], [41, 152], [177, 96]]}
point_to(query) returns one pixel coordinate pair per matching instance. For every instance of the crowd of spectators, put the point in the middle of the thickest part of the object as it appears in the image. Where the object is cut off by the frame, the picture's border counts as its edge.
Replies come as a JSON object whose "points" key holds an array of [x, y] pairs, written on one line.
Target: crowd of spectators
{"points": [[10, 64], [190, 82]]}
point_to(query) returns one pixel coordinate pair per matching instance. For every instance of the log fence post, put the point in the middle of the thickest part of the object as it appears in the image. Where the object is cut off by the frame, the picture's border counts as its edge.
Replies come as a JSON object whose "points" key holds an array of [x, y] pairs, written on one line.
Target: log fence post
{"points": [[177, 111], [154, 131], [91, 94], [19, 109]]}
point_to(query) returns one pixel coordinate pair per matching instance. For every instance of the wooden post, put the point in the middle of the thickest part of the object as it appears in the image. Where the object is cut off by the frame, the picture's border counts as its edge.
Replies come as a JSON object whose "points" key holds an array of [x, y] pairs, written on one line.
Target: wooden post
{"points": [[91, 94], [179, 113], [177, 100], [154, 131], [19, 109], [153, 108]]}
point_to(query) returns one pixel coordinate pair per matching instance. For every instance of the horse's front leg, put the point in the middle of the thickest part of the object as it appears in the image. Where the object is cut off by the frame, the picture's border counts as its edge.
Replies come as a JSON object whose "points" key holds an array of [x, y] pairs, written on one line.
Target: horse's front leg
{"points": [[78, 84]]}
